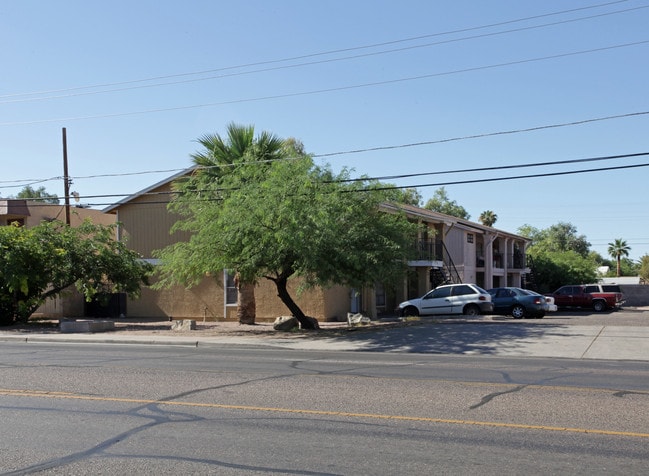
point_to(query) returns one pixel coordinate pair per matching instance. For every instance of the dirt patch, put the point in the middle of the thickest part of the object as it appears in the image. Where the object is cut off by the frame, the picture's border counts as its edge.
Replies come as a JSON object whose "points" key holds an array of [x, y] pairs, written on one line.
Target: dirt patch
{"points": [[207, 329]]}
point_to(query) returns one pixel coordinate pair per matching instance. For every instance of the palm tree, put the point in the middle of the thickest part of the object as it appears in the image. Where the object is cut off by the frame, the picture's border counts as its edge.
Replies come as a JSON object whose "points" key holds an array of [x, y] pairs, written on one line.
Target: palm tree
{"points": [[216, 161], [488, 218], [617, 250]]}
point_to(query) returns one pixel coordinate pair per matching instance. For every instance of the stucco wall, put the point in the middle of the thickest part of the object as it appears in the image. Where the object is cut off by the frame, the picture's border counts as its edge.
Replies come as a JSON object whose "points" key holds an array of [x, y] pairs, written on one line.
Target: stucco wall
{"points": [[206, 301], [39, 212]]}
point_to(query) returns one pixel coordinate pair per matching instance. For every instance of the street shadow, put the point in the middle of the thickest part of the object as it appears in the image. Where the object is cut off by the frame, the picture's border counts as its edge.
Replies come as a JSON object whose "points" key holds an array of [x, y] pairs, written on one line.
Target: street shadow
{"points": [[447, 337]]}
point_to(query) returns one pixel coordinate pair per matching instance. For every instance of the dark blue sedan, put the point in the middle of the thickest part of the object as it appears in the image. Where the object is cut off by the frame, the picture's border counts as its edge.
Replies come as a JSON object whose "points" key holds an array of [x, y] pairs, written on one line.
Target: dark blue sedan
{"points": [[517, 302]]}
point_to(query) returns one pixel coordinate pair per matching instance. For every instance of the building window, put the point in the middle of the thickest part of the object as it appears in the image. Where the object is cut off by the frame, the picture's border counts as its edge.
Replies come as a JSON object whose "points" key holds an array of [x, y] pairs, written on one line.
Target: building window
{"points": [[469, 237], [230, 289]]}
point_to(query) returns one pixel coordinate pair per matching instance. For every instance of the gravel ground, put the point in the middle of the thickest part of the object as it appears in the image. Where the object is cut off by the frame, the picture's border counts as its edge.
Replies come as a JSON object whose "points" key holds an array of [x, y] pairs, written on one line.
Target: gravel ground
{"points": [[156, 326], [209, 328]]}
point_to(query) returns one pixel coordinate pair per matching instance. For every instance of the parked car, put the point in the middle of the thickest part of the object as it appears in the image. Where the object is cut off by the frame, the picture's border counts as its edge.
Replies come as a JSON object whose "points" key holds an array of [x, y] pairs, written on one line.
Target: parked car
{"points": [[517, 302], [468, 299], [550, 306], [587, 296], [602, 288]]}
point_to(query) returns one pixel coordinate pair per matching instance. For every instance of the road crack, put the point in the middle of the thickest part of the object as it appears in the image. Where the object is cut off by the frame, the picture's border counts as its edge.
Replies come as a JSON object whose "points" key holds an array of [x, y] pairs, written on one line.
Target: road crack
{"points": [[488, 398]]}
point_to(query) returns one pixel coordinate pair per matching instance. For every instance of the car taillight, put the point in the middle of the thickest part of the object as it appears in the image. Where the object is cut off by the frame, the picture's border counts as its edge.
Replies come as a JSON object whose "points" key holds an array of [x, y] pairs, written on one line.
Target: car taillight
{"points": [[537, 300], [482, 298]]}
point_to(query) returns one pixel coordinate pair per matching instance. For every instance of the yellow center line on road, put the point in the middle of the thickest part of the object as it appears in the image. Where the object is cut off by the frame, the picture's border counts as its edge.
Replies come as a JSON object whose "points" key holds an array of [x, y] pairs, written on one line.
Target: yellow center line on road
{"points": [[489, 384], [70, 396]]}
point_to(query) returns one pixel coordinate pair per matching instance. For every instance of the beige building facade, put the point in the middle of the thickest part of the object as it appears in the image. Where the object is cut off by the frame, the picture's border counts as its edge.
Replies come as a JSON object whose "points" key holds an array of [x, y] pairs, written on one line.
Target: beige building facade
{"points": [[144, 223], [451, 250], [455, 250]]}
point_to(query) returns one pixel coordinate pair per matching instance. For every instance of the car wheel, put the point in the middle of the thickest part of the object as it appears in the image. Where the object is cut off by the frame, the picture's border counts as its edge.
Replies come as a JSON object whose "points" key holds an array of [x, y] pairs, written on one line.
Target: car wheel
{"points": [[518, 312], [599, 306], [471, 310], [410, 311]]}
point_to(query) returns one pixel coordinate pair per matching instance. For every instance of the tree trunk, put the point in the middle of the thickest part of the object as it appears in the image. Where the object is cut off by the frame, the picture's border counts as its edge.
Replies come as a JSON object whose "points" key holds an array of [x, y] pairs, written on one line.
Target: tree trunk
{"points": [[246, 304], [618, 267], [282, 293]]}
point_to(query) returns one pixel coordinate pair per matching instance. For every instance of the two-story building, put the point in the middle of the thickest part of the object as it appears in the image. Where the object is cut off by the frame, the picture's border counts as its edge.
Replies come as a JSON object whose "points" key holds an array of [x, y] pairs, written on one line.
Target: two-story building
{"points": [[450, 250], [454, 250]]}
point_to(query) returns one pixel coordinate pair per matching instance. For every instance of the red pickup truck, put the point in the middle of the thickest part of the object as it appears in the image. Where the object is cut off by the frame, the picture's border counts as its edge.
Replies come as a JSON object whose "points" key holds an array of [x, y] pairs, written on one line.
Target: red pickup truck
{"points": [[590, 296]]}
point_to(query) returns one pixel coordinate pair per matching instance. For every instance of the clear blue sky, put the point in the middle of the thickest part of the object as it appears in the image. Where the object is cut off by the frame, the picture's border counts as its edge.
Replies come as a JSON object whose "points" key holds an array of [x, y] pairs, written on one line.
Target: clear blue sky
{"points": [[135, 83]]}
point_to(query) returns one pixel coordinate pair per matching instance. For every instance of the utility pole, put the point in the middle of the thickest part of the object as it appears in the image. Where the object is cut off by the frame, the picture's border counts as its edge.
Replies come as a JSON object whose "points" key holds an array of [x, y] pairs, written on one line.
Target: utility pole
{"points": [[66, 179]]}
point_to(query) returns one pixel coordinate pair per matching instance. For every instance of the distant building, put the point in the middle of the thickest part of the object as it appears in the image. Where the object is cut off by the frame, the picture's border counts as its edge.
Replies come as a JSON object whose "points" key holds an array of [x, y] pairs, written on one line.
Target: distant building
{"points": [[30, 213]]}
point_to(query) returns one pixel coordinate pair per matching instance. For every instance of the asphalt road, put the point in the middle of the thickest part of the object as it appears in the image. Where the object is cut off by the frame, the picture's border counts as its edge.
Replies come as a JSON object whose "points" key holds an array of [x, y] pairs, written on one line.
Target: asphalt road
{"points": [[84, 408]]}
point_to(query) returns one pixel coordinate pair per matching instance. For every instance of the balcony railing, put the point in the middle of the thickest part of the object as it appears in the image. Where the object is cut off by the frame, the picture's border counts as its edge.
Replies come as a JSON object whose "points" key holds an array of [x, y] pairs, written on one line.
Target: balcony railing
{"points": [[430, 250], [435, 250]]}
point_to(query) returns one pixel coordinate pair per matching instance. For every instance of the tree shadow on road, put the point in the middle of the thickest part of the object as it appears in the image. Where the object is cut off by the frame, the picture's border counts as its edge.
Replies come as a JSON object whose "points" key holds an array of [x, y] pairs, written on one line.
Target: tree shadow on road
{"points": [[455, 338]]}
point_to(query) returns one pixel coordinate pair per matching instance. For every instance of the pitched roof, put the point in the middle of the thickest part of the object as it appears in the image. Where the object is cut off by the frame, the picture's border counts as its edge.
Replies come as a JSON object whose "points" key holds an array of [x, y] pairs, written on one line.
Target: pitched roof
{"points": [[449, 220], [113, 208], [408, 209]]}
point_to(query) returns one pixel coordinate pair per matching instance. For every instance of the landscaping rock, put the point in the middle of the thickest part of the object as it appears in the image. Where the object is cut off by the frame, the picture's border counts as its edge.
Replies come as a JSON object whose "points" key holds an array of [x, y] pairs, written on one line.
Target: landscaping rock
{"points": [[184, 325], [357, 320], [285, 323], [72, 326]]}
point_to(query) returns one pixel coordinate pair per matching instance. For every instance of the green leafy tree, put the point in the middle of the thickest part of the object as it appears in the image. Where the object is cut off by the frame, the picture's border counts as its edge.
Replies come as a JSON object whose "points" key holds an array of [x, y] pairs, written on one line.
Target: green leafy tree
{"points": [[219, 157], [530, 232], [557, 238], [443, 204], [488, 218], [41, 262], [38, 195], [408, 196], [560, 256], [556, 269], [644, 268], [618, 249], [294, 219]]}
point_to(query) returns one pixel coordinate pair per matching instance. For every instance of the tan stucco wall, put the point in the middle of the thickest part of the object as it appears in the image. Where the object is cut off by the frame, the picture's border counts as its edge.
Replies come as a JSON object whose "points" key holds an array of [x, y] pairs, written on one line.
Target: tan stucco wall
{"points": [[145, 224], [45, 212], [206, 301]]}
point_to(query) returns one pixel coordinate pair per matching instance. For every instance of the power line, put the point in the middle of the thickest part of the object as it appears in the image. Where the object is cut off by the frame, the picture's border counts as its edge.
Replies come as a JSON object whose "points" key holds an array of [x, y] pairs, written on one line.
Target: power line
{"points": [[31, 182], [439, 184], [324, 53], [330, 90], [480, 136], [517, 177], [505, 167]]}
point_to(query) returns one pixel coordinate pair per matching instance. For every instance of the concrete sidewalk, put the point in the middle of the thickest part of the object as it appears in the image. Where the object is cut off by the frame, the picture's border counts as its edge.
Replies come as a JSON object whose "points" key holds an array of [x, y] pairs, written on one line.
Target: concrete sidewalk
{"points": [[461, 338]]}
